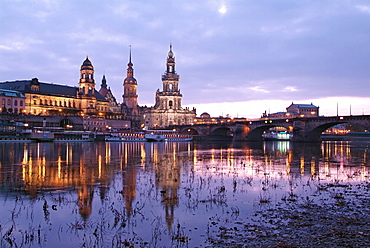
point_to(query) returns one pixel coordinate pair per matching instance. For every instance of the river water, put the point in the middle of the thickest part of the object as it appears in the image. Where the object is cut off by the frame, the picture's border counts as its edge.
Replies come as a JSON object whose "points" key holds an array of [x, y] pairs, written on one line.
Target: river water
{"points": [[112, 194]]}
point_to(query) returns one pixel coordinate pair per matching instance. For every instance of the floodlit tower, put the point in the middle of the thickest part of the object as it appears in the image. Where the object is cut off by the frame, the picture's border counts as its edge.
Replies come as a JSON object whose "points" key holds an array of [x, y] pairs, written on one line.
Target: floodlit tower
{"points": [[129, 89], [87, 82]]}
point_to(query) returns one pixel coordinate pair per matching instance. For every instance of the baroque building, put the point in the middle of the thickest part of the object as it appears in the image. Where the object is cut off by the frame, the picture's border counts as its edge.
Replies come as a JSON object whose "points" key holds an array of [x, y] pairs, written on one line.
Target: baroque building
{"points": [[12, 101], [130, 106], [48, 99], [293, 111], [107, 93], [100, 110], [167, 110]]}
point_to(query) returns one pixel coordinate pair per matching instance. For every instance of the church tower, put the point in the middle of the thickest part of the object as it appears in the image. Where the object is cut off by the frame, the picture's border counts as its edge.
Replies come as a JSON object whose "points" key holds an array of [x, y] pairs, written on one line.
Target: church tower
{"points": [[167, 110], [129, 105], [170, 97], [87, 82]]}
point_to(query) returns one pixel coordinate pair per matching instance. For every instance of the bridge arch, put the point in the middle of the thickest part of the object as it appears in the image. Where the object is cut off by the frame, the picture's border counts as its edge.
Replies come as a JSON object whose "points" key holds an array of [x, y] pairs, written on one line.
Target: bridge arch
{"points": [[189, 131], [256, 134], [315, 133], [221, 131], [66, 123]]}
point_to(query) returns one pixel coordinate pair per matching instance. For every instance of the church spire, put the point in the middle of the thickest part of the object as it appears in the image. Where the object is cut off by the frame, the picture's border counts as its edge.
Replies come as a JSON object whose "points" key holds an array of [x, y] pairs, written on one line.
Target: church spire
{"points": [[129, 89], [130, 70], [130, 64], [103, 83]]}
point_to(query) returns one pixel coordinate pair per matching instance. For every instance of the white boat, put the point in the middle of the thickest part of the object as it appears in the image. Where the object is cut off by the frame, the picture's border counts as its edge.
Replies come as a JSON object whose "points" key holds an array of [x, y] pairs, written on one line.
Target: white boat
{"points": [[166, 135], [277, 136], [126, 137]]}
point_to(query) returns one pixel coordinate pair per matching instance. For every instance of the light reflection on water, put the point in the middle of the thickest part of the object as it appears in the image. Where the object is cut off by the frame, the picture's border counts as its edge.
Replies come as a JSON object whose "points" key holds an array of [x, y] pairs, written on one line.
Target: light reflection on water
{"points": [[156, 194]]}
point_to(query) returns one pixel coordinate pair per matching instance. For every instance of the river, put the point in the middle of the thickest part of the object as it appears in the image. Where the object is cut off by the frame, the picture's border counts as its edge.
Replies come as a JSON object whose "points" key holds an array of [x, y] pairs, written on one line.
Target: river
{"points": [[112, 194]]}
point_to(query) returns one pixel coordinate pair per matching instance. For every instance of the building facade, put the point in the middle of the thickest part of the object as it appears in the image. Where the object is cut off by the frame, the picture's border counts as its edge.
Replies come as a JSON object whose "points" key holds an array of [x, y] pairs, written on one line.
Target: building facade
{"points": [[12, 101], [100, 110], [48, 99], [106, 92], [303, 110], [294, 111], [167, 110], [130, 106]]}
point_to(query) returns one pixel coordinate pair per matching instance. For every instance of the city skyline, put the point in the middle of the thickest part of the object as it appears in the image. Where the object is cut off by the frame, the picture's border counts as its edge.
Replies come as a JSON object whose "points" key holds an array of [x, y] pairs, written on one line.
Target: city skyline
{"points": [[233, 57]]}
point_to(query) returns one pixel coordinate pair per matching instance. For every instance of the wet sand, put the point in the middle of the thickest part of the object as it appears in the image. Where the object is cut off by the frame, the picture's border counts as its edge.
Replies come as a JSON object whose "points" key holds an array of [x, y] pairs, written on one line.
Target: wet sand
{"points": [[336, 215]]}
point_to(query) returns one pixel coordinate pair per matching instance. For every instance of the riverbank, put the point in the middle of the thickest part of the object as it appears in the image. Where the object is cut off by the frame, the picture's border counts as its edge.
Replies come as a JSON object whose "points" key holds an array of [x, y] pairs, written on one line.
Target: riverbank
{"points": [[337, 215]]}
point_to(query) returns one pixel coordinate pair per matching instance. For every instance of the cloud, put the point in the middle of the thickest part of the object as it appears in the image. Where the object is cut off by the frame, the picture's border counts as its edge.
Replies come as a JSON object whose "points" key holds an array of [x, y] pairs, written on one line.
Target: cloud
{"points": [[258, 89], [363, 8], [18, 42], [289, 89]]}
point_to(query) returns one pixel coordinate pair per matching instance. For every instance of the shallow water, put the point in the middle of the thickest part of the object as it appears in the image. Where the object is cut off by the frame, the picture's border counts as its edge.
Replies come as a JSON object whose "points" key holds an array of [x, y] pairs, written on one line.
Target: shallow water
{"points": [[157, 194]]}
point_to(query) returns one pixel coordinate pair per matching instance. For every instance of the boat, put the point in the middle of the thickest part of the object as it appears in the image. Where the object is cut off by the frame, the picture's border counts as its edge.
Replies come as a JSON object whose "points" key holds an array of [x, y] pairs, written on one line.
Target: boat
{"points": [[73, 136], [278, 136], [126, 136], [43, 136], [166, 135], [147, 135]]}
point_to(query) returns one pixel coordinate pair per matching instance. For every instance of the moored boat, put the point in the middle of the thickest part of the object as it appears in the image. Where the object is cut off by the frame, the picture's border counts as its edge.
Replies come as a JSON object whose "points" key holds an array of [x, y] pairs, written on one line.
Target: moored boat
{"points": [[279, 136], [126, 136], [73, 137], [44, 136], [166, 135]]}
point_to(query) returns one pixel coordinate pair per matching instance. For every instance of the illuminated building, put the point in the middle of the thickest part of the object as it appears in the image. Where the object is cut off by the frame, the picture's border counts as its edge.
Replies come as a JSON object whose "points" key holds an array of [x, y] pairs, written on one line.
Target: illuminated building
{"points": [[129, 106], [303, 110], [99, 109], [206, 118], [12, 101], [47, 98], [167, 110], [107, 93], [294, 111]]}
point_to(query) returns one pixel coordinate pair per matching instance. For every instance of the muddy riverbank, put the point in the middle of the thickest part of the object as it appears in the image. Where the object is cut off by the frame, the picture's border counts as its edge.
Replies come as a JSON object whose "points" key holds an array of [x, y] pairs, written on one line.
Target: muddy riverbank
{"points": [[336, 215]]}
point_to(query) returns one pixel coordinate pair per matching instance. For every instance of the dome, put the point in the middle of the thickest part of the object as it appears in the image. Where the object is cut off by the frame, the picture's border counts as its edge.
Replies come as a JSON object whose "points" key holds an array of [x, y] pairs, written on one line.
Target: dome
{"points": [[130, 80], [205, 115], [87, 65]]}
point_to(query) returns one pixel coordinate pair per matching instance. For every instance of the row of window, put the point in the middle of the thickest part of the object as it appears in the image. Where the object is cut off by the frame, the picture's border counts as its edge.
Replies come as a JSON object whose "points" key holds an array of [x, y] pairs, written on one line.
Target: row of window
{"points": [[55, 103], [10, 110], [9, 102], [68, 104], [95, 123], [307, 110]]}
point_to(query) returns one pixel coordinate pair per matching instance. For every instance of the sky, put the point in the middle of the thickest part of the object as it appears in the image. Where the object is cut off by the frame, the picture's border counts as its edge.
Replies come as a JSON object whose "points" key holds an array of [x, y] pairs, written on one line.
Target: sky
{"points": [[234, 57]]}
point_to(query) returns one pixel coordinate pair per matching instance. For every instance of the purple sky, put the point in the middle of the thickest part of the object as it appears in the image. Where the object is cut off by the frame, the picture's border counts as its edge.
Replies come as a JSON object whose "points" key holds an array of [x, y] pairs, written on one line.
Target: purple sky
{"points": [[236, 57]]}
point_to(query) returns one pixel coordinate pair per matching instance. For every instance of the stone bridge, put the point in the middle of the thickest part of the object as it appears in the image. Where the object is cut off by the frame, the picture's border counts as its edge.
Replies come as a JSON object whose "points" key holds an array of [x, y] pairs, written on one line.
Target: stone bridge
{"points": [[303, 129]]}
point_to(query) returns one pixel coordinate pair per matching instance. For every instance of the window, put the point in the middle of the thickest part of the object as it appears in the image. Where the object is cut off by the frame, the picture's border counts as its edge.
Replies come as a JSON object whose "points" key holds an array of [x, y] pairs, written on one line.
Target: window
{"points": [[15, 102], [3, 101], [8, 101], [170, 103], [21, 103]]}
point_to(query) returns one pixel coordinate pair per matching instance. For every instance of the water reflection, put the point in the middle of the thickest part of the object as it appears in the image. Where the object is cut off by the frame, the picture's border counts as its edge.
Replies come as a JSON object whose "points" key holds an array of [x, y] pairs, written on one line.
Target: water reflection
{"points": [[179, 181]]}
